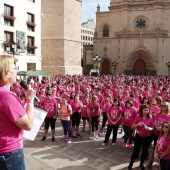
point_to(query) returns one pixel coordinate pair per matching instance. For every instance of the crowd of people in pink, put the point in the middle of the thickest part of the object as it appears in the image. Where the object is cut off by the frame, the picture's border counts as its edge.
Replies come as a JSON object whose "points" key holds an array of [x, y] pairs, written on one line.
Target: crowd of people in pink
{"points": [[139, 105]]}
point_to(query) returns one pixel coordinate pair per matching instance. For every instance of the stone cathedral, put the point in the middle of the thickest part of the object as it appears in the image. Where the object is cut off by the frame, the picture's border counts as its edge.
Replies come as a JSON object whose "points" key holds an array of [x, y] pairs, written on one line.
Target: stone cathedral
{"points": [[136, 35]]}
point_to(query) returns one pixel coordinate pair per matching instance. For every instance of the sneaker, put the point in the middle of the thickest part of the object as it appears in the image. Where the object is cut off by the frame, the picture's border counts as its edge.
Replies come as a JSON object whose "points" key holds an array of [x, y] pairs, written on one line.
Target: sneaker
{"points": [[63, 138], [113, 144], [78, 135], [104, 144], [53, 139], [123, 145], [130, 146], [121, 131], [102, 133], [68, 141], [92, 138], [73, 136], [96, 136], [142, 167], [43, 138], [150, 165], [130, 167]]}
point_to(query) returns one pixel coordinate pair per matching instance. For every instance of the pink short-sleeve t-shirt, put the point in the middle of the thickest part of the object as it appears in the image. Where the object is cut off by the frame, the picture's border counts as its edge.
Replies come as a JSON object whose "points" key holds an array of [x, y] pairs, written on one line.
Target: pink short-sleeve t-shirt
{"points": [[162, 144], [129, 115], [11, 109], [140, 129]]}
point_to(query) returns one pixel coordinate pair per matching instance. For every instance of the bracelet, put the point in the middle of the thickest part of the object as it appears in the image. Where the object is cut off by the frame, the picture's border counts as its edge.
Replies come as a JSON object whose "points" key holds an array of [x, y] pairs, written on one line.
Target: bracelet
{"points": [[29, 101]]}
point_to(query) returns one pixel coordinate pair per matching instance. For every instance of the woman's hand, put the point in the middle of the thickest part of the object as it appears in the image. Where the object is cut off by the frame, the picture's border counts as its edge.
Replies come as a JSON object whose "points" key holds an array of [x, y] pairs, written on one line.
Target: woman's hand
{"points": [[30, 93], [156, 156], [149, 128]]}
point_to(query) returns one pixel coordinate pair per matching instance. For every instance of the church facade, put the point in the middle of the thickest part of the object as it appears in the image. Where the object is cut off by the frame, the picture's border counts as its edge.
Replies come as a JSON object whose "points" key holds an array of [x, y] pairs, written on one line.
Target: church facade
{"points": [[134, 34]]}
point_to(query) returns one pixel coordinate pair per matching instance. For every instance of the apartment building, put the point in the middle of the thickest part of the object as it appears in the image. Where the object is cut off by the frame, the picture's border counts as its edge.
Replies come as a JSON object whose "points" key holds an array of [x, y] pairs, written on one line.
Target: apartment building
{"points": [[87, 33], [20, 32]]}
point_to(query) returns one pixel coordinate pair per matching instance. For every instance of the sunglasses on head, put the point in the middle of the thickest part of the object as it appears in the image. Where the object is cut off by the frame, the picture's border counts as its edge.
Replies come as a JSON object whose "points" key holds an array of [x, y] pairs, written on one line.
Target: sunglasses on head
{"points": [[164, 126]]}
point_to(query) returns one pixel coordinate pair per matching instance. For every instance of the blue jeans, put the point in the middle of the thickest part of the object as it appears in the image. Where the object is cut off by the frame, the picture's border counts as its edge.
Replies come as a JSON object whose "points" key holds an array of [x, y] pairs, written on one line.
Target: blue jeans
{"points": [[12, 160], [165, 164], [66, 127]]}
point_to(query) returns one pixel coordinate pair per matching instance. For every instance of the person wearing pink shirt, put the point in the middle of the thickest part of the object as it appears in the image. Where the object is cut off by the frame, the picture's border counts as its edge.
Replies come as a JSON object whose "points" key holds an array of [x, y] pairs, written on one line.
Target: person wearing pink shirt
{"points": [[71, 98], [143, 124], [84, 113], [153, 108], [105, 105], [76, 117], [94, 115], [162, 149], [129, 114], [14, 119], [114, 114], [159, 119], [50, 106], [134, 101], [66, 112]]}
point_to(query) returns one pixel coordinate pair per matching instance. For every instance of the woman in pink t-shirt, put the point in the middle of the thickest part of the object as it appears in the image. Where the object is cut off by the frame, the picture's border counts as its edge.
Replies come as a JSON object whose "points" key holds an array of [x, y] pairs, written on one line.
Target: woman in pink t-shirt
{"points": [[14, 119], [50, 106], [114, 115], [84, 113], [143, 124], [153, 108], [129, 114], [76, 116], [162, 149], [66, 112], [94, 115], [159, 119], [105, 105]]}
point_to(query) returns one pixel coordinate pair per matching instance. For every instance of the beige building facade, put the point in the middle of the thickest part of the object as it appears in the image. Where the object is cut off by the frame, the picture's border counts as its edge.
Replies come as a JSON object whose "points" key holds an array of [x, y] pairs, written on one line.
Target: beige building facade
{"points": [[136, 35], [20, 24], [61, 36]]}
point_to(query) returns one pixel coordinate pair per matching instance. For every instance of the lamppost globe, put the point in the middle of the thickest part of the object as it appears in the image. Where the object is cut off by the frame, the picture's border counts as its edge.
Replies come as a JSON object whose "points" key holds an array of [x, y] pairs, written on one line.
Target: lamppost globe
{"points": [[13, 48], [13, 45], [97, 60]]}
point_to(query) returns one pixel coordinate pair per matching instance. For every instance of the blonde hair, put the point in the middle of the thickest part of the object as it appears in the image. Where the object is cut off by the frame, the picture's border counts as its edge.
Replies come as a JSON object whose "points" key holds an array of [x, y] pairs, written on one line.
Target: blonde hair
{"points": [[6, 63]]}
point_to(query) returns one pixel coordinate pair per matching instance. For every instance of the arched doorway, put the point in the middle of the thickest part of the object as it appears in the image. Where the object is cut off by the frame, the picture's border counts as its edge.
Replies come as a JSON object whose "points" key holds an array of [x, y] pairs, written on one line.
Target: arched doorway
{"points": [[105, 67], [139, 67], [140, 62]]}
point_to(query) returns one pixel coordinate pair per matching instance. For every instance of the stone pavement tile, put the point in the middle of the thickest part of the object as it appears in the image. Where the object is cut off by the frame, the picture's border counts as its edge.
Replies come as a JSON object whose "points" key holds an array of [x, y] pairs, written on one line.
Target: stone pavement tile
{"points": [[93, 161], [33, 164], [78, 167]]}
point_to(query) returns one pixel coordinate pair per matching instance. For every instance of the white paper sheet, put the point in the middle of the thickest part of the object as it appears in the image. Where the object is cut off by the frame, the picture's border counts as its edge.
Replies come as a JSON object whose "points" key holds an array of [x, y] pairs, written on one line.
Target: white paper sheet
{"points": [[39, 116]]}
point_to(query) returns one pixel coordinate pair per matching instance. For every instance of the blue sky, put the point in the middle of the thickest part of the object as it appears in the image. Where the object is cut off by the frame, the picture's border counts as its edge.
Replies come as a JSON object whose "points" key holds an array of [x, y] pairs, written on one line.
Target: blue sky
{"points": [[89, 8]]}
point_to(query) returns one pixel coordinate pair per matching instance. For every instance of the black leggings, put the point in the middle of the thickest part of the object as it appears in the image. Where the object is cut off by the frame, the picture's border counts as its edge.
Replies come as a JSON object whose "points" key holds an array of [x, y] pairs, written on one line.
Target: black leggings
{"points": [[104, 119], [50, 121], [109, 130], [94, 123], [165, 164], [140, 142], [128, 134], [75, 118]]}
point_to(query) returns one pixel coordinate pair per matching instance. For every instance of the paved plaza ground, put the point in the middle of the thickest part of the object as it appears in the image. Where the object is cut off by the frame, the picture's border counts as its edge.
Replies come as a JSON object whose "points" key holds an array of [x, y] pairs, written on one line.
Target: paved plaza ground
{"points": [[81, 154]]}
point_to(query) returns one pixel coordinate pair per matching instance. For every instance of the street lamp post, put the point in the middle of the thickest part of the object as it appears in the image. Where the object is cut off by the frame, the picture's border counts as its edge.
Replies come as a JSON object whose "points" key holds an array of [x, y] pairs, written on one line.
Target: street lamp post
{"points": [[97, 60], [13, 49], [114, 65], [168, 66]]}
